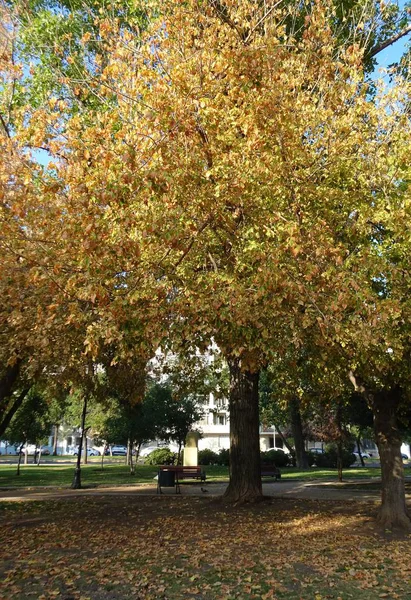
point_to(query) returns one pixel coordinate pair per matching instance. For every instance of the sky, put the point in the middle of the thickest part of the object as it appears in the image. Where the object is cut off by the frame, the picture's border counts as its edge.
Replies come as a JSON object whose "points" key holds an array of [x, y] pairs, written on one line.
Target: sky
{"points": [[393, 53]]}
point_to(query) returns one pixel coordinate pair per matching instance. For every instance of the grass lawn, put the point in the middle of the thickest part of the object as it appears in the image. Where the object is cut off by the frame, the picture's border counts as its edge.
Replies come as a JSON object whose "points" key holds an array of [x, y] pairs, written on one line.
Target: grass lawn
{"points": [[116, 473], [174, 547]]}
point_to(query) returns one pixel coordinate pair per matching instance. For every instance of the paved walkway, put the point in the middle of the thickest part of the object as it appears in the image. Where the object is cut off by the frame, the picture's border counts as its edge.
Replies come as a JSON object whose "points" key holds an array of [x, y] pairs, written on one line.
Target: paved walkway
{"points": [[324, 490]]}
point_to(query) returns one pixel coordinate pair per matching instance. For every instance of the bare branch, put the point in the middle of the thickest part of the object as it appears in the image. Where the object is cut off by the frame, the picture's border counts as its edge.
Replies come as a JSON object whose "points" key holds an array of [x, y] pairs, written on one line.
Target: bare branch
{"points": [[5, 126], [383, 45]]}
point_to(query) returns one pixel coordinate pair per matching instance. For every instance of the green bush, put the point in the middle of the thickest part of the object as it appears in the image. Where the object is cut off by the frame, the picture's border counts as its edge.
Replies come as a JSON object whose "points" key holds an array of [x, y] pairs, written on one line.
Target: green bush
{"points": [[223, 457], [207, 457], [310, 459], [328, 460], [162, 456], [279, 458]]}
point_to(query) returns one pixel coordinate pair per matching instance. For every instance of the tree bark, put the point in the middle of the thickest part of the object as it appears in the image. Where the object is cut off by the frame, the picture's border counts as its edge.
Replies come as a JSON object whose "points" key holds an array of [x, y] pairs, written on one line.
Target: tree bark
{"points": [[85, 453], [19, 461], [245, 472], [130, 453], [55, 438], [297, 431], [359, 451], [338, 419], [283, 438], [8, 382], [6, 417], [393, 511], [77, 473], [339, 460]]}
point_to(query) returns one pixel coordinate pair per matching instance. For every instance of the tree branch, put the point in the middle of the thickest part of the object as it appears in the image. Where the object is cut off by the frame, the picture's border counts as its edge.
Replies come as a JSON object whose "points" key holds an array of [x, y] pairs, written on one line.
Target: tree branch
{"points": [[222, 13], [5, 126], [15, 406], [383, 45]]}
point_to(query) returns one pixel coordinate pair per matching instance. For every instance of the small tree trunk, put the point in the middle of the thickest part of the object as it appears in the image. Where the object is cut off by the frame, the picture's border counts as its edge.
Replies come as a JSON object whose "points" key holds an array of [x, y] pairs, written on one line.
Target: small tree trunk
{"points": [[245, 471], [297, 431], [339, 460], [283, 438], [19, 461], [393, 511], [85, 453], [138, 447], [55, 439], [77, 473], [132, 468], [128, 452], [26, 456], [338, 421], [359, 451]]}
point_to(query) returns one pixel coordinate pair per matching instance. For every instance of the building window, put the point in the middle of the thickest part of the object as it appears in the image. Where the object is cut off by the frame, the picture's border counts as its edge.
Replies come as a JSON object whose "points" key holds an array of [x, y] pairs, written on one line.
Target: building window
{"points": [[219, 419]]}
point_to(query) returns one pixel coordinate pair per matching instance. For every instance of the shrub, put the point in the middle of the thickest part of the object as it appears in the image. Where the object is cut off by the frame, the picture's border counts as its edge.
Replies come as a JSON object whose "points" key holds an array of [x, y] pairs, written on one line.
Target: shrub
{"points": [[207, 457], [310, 459], [280, 459], [162, 456], [328, 460], [223, 457]]}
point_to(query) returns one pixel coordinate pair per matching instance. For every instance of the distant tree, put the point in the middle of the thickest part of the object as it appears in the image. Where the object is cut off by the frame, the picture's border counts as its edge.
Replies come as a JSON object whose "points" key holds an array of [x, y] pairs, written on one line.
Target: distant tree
{"points": [[175, 417], [31, 424], [132, 425]]}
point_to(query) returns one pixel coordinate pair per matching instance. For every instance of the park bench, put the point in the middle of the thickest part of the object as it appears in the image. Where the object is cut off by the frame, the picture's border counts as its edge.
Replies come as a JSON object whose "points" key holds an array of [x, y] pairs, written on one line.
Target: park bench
{"points": [[177, 472], [270, 471]]}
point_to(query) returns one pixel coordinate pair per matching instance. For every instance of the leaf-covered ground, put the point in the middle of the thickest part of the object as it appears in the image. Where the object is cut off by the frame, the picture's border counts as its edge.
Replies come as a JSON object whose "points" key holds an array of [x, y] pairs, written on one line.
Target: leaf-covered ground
{"points": [[143, 548]]}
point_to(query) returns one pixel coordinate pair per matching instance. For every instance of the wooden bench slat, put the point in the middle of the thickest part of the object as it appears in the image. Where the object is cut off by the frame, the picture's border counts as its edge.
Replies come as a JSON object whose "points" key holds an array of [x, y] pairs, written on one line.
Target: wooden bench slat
{"points": [[270, 471]]}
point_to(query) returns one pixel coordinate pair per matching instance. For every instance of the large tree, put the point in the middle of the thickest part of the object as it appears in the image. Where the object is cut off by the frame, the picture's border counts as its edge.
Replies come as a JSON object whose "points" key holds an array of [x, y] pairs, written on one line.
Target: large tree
{"points": [[226, 193], [231, 173]]}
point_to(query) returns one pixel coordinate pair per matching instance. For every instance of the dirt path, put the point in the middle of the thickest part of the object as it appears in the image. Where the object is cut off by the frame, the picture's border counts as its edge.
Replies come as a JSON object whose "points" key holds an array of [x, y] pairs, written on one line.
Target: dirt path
{"points": [[366, 490]]}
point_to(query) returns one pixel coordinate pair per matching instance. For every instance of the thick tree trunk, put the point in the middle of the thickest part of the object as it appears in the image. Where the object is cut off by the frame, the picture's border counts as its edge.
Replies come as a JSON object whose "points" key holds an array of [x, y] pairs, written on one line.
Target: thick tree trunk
{"points": [[393, 511], [297, 431], [245, 472]]}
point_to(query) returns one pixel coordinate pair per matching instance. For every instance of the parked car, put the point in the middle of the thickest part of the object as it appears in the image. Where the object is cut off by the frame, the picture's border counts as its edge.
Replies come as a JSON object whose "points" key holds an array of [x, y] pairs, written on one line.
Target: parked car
{"points": [[363, 454], [46, 450], [317, 450], [404, 456], [116, 451], [90, 451], [31, 448]]}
